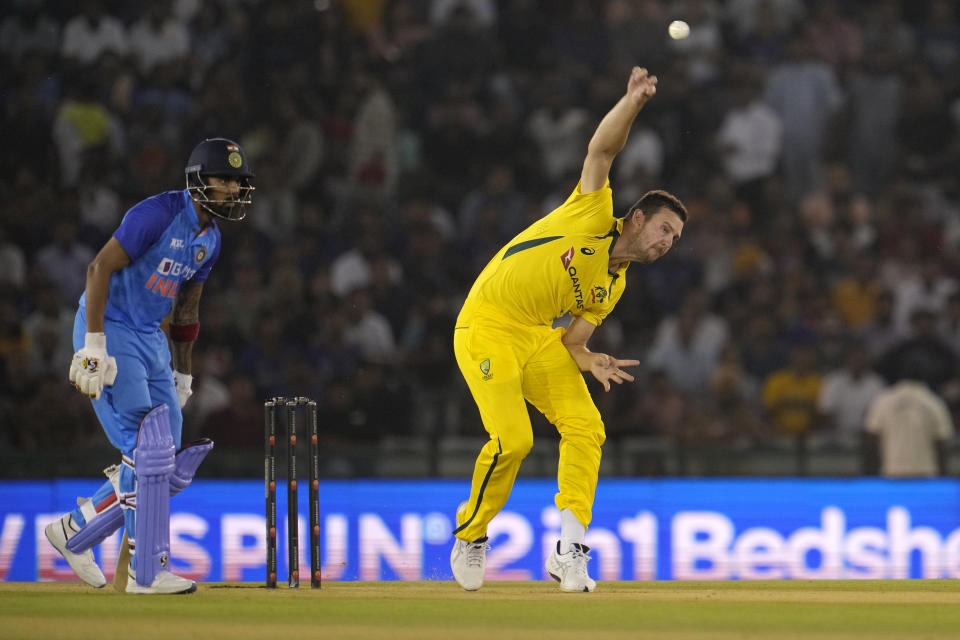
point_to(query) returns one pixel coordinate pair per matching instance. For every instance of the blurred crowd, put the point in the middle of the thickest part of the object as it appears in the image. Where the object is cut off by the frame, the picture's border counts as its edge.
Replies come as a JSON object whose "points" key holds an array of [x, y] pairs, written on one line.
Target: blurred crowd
{"points": [[398, 144]]}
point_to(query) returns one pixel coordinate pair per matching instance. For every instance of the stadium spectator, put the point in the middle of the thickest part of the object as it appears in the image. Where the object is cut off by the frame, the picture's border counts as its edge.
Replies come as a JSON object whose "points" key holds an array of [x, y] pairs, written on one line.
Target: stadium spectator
{"points": [[99, 203], [928, 287], [159, 38], [494, 211], [763, 349], [211, 365], [938, 36], [790, 394], [745, 15], [27, 29], [687, 344], [91, 34], [846, 395], [761, 43], [885, 29], [351, 269], [855, 296], [84, 124], [14, 348], [559, 129], [949, 323], [910, 426], [401, 31], [369, 331], [13, 263], [245, 299], [484, 12], [238, 423], [922, 356], [635, 31], [834, 38], [640, 166], [925, 129], [64, 261], [50, 323], [881, 333], [804, 92], [372, 157], [702, 48], [876, 91], [730, 416], [750, 141]]}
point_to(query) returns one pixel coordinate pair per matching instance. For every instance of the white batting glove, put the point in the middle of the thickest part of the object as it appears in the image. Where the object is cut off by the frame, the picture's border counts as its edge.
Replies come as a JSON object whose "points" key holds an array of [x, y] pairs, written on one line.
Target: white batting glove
{"points": [[91, 367], [183, 382]]}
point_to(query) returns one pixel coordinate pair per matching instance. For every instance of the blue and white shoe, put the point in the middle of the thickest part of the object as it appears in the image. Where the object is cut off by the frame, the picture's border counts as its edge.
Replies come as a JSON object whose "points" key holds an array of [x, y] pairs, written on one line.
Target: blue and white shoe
{"points": [[83, 564], [164, 582], [570, 568]]}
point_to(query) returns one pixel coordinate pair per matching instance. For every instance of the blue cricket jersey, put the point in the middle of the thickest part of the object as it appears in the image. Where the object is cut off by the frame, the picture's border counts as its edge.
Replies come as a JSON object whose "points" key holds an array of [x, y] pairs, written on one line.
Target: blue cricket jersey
{"points": [[167, 246]]}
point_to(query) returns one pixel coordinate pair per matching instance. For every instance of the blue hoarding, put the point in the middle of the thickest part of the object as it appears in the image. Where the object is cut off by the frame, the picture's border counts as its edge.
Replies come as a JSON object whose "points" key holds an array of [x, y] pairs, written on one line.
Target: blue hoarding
{"points": [[642, 529]]}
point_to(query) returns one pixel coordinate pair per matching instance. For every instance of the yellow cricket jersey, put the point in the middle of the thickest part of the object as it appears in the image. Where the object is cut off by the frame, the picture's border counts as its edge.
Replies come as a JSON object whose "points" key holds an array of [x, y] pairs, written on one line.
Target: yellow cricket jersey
{"points": [[792, 400], [558, 264]]}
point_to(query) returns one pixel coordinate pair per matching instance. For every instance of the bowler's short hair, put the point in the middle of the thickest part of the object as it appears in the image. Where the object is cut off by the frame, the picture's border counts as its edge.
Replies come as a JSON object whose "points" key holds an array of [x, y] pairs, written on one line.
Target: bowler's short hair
{"points": [[652, 201]]}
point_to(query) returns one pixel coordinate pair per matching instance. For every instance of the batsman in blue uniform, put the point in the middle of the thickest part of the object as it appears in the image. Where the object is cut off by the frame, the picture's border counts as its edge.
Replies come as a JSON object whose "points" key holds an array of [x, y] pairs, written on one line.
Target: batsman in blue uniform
{"points": [[153, 266]]}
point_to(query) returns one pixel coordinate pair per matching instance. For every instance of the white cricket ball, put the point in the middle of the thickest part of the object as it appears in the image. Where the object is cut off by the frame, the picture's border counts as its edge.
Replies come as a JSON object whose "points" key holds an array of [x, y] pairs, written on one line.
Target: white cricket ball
{"points": [[678, 29]]}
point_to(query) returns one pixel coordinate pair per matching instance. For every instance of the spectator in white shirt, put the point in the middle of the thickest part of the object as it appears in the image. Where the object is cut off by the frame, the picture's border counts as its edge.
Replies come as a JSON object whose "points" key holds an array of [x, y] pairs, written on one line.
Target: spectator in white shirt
{"points": [[92, 33], [847, 394], [928, 287], [910, 427], [750, 142], [559, 129], [369, 330], [158, 38]]}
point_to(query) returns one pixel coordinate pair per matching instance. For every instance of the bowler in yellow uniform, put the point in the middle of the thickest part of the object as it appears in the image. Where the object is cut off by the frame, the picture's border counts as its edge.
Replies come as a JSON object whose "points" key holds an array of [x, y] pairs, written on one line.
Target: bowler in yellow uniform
{"points": [[573, 260]]}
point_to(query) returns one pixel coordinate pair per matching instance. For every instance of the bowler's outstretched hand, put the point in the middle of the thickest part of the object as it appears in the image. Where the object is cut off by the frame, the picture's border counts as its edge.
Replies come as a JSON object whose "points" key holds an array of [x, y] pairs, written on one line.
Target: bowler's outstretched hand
{"points": [[608, 369], [641, 86]]}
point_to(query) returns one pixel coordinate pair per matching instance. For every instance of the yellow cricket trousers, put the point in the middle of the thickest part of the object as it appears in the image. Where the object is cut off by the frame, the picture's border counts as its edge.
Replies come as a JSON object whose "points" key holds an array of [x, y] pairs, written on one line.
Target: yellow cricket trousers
{"points": [[504, 363]]}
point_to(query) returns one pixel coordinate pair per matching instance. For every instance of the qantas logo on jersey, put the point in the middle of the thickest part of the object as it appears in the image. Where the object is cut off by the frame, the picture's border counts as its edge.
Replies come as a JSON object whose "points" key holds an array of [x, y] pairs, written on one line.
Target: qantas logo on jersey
{"points": [[567, 257], [575, 281]]}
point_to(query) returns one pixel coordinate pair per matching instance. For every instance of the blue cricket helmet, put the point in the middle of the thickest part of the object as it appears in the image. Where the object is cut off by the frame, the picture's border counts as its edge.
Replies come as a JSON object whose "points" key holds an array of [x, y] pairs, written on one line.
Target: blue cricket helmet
{"points": [[221, 158]]}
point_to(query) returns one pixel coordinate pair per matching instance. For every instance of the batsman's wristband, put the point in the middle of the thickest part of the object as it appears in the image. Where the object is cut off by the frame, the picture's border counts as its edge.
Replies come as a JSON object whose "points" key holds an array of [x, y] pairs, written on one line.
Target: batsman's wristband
{"points": [[183, 382], [96, 340], [184, 332]]}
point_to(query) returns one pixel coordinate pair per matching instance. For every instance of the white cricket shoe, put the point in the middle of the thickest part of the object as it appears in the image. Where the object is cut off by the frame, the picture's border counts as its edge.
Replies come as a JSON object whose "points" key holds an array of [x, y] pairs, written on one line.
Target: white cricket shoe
{"points": [[164, 582], [468, 561], [570, 568], [83, 564]]}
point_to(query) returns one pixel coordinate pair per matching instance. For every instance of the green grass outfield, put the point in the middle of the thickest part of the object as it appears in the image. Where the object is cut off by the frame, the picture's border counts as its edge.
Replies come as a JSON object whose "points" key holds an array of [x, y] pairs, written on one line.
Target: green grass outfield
{"points": [[900, 609]]}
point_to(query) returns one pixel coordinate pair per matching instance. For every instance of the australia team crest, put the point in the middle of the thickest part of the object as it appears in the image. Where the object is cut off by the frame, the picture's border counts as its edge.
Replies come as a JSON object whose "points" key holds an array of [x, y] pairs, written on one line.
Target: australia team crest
{"points": [[598, 294], [485, 369]]}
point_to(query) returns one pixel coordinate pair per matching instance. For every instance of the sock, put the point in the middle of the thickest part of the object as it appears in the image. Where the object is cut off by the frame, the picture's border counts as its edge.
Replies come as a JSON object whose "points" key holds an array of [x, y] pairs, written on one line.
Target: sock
{"points": [[572, 530], [103, 499]]}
